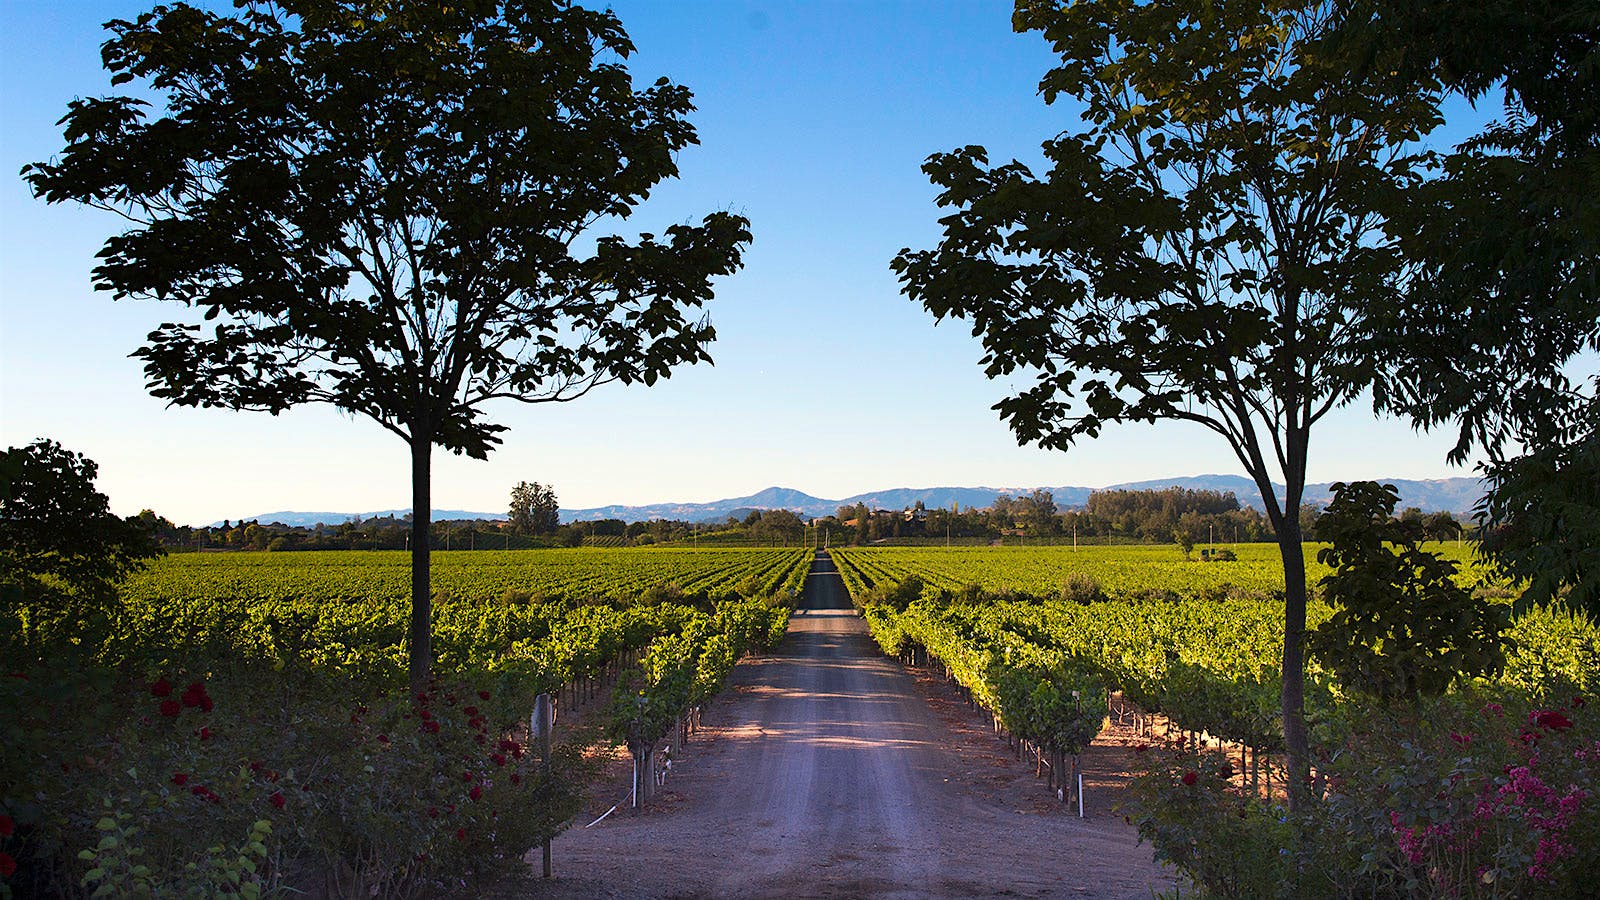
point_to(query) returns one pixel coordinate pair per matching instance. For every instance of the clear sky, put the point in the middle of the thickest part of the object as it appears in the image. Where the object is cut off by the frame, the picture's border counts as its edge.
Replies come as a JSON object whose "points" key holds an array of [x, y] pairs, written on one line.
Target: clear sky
{"points": [[814, 118]]}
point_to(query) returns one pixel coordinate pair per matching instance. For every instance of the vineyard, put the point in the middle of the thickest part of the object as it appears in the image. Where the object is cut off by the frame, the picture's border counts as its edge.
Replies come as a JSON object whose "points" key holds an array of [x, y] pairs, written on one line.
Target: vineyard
{"points": [[1042, 638], [296, 730], [1119, 572], [1198, 642]]}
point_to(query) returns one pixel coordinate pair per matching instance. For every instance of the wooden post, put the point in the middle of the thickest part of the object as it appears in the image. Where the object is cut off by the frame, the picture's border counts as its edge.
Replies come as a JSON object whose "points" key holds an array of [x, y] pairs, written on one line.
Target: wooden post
{"points": [[544, 721]]}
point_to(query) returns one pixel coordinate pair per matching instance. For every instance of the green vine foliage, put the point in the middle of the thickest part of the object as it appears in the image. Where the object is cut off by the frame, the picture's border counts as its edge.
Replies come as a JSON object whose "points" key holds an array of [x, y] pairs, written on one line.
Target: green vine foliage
{"points": [[1402, 627]]}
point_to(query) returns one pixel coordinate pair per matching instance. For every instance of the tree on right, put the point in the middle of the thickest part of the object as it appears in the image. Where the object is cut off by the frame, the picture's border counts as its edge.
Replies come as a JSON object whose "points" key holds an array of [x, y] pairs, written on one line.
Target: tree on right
{"points": [[1209, 246], [1502, 300]]}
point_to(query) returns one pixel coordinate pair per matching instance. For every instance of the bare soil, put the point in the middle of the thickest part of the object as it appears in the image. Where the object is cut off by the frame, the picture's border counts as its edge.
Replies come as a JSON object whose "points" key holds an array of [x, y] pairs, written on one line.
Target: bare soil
{"points": [[828, 770]]}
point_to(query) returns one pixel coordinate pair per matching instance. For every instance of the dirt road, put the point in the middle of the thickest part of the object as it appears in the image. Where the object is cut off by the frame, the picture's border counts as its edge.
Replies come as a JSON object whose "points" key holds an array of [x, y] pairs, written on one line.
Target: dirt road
{"points": [[828, 770]]}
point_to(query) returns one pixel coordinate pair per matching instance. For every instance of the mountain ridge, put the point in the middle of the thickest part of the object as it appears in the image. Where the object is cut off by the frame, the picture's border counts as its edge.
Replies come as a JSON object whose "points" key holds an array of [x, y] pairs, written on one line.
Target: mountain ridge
{"points": [[1455, 495]]}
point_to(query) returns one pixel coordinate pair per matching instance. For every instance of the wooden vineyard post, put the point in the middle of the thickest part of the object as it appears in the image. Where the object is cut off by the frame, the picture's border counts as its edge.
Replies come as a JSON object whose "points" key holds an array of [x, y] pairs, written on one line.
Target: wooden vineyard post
{"points": [[1077, 773], [543, 723]]}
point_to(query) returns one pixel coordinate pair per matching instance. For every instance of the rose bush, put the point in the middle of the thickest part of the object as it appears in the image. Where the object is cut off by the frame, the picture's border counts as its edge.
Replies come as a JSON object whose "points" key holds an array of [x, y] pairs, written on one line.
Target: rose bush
{"points": [[1467, 795]]}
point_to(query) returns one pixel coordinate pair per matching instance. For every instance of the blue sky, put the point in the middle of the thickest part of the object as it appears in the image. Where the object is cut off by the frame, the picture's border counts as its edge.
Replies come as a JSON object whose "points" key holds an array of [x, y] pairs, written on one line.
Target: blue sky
{"points": [[814, 118]]}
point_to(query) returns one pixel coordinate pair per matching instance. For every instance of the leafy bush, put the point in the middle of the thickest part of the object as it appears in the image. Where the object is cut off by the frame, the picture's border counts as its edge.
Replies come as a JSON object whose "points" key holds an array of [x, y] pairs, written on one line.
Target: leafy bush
{"points": [[380, 792], [1458, 796], [1402, 626], [1080, 587]]}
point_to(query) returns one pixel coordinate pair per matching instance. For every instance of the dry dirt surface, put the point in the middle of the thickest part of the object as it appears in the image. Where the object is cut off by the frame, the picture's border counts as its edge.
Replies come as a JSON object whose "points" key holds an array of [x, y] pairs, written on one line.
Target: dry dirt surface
{"points": [[828, 770]]}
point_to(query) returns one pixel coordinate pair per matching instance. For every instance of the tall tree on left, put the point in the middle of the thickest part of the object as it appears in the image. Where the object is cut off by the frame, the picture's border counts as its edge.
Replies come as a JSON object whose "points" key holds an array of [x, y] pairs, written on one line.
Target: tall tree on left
{"points": [[390, 206]]}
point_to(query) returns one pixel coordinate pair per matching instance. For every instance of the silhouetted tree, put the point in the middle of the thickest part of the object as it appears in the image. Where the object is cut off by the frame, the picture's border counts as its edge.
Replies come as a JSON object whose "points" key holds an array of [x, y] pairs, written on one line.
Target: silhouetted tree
{"points": [[387, 207]]}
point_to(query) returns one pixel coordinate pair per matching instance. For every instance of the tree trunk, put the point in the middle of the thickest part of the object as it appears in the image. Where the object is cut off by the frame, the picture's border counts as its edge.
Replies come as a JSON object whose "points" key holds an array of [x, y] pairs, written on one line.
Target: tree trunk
{"points": [[421, 661], [1296, 749]]}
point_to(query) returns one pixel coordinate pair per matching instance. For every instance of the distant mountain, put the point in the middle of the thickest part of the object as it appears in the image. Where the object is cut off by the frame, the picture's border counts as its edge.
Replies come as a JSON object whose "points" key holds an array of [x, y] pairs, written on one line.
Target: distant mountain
{"points": [[1456, 495]]}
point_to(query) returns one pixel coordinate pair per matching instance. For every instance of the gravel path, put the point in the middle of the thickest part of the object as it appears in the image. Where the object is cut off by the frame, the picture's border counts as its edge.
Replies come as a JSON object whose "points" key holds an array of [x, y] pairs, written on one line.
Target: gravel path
{"points": [[827, 770]]}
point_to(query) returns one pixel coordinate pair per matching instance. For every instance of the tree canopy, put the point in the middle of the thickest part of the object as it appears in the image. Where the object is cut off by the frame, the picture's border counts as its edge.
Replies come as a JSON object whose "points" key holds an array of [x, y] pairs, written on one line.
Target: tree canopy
{"points": [[394, 208], [1503, 251], [534, 508]]}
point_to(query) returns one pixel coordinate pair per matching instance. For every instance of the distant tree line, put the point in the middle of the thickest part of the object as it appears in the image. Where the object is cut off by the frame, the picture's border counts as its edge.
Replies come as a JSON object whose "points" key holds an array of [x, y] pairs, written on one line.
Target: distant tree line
{"points": [[1187, 517], [1149, 516]]}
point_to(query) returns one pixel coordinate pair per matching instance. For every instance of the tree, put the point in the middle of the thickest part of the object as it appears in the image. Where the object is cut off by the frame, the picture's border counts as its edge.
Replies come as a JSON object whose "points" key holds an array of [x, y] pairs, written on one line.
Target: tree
{"points": [[62, 552], [1402, 628], [1037, 512], [1206, 250], [1504, 288], [534, 508], [390, 207]]}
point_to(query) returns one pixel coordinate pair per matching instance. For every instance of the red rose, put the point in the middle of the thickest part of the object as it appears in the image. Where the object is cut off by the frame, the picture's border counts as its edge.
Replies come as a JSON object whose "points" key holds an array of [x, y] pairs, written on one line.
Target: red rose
{"points": [[498, 759], [433, 812], [193, 693], [476, 792], [162, 688], [483, 695], [1189, 778], [1578, 702], [466, 776], [7, 827], [277, 799], [180, 779], [470, 711], [8, 866], [1552, 720], [461, 834], [205, 703], [170, 708], [383, 739], [516, 777], [205, 733]]}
